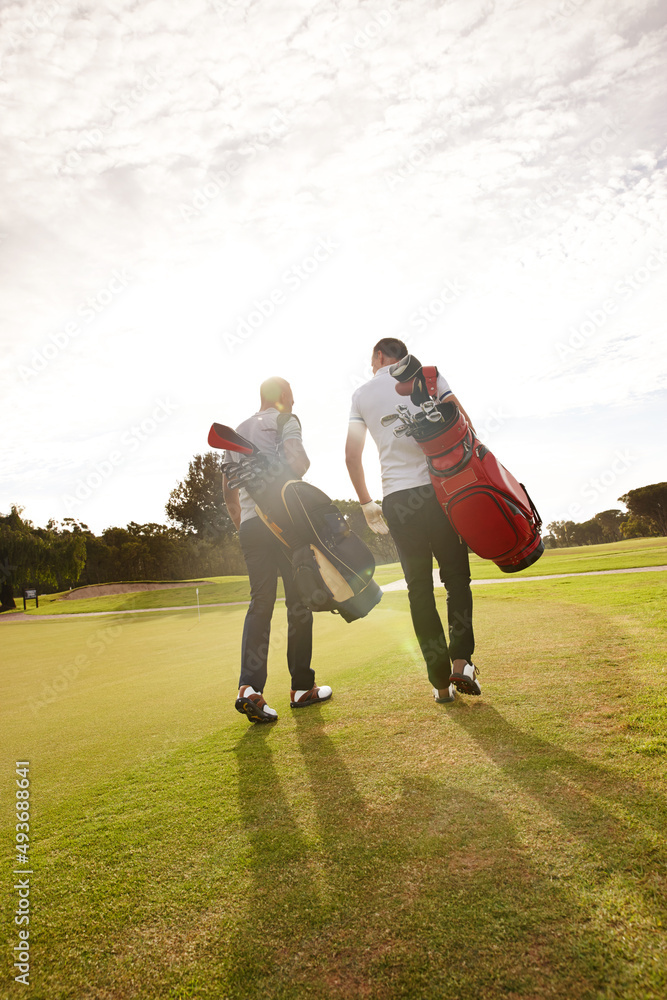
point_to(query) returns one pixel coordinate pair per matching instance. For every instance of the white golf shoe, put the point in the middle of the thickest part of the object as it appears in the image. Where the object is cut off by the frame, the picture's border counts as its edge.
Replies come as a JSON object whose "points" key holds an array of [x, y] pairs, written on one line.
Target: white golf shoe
{"points": [[316, 695]]}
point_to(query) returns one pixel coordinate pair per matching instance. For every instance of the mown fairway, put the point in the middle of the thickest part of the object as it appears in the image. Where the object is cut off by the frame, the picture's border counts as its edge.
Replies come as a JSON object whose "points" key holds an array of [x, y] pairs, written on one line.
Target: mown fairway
{"points": [[579, 559], [379, 846]]}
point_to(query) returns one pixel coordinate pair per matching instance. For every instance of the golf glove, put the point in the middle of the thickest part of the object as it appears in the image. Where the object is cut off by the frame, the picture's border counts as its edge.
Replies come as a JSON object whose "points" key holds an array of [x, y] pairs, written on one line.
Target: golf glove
{"points": [[374, 519]]}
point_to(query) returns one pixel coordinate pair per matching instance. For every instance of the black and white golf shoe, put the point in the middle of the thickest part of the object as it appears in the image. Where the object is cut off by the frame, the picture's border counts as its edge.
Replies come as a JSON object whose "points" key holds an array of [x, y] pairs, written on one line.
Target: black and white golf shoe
{"points": [[465, 680], [251, 703]]}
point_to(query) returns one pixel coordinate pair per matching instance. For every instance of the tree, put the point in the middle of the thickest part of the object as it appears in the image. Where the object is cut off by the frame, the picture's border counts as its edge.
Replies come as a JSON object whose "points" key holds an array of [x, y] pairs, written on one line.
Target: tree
{"points": [[587, 533], [649, 502], [197, 503], [638, 527], [48, 558], [562, 532], [65, 552], [11, 531], [610, 522]]}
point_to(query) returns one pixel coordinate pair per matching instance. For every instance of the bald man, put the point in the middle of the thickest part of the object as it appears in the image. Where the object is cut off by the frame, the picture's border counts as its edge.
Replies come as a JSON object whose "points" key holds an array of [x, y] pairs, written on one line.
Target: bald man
{"points": [[276, 431]]}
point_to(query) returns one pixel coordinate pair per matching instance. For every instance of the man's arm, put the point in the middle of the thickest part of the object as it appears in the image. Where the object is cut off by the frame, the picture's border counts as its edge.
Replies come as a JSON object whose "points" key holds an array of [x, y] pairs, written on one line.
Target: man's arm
{"points": [[295, 456], [231, 498], [354, 446]]}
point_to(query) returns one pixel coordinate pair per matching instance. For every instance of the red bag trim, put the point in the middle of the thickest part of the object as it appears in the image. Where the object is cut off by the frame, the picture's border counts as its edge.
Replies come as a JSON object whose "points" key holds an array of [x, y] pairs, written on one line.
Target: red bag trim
{"points": [[430, 374]]}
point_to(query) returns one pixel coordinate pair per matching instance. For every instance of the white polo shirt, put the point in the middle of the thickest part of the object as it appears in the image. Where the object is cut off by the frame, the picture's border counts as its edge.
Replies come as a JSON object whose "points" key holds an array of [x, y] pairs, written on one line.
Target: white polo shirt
{"points": [[402, 461], [262, 429]]}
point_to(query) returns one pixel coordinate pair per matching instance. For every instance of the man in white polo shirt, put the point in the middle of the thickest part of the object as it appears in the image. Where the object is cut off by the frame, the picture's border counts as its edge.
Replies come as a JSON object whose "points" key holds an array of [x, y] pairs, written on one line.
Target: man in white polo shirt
{"points": [[276, 431], [418, 524]]}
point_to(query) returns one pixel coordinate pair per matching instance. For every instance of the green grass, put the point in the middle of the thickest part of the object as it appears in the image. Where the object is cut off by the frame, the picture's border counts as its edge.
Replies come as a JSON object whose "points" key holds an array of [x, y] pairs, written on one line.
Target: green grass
{"points": [[219, 590], [222, 589], [584, 559], [379, 846]]}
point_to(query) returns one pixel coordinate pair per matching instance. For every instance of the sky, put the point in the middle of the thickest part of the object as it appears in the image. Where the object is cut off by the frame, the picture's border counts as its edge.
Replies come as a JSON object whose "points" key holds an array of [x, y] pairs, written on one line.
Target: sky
{"points": [[199, 196]]}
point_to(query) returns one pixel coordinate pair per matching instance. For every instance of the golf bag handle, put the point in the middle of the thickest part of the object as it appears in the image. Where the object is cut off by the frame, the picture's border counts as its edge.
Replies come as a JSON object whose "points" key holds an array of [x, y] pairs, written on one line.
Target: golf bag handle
{"points": [[430, 374], [538, 519]]}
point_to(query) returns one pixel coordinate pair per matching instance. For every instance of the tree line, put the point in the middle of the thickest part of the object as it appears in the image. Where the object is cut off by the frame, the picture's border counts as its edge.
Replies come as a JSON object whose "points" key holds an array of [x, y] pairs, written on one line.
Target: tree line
{"points": [[201, 541], [645, 517]]}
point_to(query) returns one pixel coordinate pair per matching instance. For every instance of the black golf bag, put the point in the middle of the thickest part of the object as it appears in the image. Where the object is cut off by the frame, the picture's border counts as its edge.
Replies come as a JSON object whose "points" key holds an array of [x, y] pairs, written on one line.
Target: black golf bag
{"points": [[333, 568], [486, 505]]}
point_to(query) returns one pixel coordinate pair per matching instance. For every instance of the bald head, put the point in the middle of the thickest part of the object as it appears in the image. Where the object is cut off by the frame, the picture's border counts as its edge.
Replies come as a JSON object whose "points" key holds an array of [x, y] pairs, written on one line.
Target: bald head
{"points": [[276, 392]]}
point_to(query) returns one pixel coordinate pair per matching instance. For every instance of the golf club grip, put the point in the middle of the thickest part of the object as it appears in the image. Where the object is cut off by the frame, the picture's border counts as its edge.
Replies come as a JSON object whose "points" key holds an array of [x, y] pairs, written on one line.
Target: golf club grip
{"points": [[406, 369]]}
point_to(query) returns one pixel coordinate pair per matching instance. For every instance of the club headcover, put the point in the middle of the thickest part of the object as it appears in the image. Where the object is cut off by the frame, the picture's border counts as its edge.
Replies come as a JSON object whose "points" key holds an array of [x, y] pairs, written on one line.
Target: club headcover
{"points": [[226, 438], [410, 379]]}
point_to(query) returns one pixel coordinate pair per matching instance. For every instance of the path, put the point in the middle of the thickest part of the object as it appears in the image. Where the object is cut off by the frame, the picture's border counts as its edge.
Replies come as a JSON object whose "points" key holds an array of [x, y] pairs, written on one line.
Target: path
{"points": [[19, 616], [512, 578]]}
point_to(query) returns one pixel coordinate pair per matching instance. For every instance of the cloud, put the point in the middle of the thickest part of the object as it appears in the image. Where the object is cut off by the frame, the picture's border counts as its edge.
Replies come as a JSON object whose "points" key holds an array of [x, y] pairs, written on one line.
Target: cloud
{"points": [[515, 148]]}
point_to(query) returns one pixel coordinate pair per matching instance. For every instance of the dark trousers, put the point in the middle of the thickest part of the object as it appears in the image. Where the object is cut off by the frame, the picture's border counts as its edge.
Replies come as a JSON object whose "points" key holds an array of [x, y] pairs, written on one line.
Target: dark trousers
{"points": [[265, 557], [421, 530]]}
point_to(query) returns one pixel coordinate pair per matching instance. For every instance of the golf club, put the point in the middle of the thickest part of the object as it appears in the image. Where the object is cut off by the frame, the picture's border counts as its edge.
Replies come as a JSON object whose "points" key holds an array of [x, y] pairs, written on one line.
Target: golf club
{"points": [[431, 412], [405, 414]]}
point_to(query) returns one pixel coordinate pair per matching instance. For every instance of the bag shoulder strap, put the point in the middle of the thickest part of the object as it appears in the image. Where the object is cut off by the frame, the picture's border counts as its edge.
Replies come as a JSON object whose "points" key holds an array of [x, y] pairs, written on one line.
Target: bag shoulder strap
{"points": [[430, 374], [282, 421]]}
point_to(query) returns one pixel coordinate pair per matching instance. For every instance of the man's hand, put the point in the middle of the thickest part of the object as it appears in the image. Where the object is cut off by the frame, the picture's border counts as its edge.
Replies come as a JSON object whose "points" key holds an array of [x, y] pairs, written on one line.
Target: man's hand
{"points": [[374, 519]]}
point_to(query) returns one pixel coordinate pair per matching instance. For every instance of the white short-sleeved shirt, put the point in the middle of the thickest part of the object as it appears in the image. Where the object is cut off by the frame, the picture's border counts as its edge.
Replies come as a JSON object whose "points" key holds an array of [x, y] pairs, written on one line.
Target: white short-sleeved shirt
{"points": [[262, 429], [402, 461]]}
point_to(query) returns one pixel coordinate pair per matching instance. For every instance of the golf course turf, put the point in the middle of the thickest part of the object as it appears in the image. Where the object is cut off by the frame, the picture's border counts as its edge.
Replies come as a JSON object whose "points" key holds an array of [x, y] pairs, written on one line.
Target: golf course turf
{"points": [[636, 552], [378, 846]]}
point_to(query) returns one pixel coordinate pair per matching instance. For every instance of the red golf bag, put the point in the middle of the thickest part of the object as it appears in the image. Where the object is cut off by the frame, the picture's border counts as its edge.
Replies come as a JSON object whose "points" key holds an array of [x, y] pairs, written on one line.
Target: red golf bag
{"points": [[333, 568], [487, 506]]}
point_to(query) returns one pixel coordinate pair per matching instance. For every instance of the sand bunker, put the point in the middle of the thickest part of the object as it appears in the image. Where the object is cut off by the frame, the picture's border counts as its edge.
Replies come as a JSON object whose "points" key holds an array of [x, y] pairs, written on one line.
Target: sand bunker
{"points": [[102, 589]]}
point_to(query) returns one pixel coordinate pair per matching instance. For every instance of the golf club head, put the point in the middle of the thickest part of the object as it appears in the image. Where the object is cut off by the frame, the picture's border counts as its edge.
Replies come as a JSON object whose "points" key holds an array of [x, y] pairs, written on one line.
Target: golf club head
{"points": [[402, 430], [405, 413], [389, 419], [431, 412]]}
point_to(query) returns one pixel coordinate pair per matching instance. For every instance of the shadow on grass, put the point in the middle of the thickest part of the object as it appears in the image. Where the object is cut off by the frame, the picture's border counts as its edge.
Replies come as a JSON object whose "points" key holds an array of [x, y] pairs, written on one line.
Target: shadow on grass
{"points": [[569, 786], [307, 871], [615, 820], [425, 892]]}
